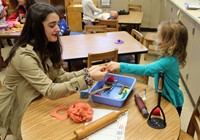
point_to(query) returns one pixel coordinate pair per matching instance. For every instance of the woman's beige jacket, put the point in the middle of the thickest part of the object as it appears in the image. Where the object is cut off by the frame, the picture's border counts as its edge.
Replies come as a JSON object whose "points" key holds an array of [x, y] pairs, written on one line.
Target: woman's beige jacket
{"points": [[25, 80]]}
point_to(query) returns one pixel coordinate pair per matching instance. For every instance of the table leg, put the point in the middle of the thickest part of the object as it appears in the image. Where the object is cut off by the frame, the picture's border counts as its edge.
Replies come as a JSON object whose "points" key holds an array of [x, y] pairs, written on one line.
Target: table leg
{"points": [[136, 58]]}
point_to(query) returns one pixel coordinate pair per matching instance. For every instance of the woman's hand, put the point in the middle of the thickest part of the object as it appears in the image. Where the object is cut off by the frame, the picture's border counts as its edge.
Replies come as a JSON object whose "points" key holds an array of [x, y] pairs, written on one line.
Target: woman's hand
{"points": [[98, 72], [113, 66]]}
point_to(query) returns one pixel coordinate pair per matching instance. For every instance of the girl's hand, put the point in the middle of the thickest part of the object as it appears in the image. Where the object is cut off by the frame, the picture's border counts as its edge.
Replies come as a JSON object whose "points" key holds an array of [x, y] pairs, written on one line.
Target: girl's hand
{"points": [[113, 66], [98, 73]]}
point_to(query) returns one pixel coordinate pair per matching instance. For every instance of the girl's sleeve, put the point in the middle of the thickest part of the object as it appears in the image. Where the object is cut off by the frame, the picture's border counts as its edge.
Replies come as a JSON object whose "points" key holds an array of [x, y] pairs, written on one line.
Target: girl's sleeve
{"points": [[162, 64], [11, 19], [4, 3], [59, 87]]}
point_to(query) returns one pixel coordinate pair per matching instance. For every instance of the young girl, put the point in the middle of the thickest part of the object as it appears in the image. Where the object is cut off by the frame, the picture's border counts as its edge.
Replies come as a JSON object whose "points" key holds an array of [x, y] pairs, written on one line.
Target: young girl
{"points": [[17, 18], [34, 69], [172, 42]]}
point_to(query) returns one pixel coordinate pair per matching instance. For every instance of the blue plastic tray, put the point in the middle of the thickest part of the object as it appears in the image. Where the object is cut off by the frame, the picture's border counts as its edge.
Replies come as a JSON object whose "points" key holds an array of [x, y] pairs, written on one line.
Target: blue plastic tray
{"points": [[113, 97]]}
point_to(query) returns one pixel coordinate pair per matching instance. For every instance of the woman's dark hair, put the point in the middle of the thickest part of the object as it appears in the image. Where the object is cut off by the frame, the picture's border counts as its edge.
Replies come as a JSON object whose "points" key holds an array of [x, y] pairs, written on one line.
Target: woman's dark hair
{"points": [[33, 33], [27, 5]]}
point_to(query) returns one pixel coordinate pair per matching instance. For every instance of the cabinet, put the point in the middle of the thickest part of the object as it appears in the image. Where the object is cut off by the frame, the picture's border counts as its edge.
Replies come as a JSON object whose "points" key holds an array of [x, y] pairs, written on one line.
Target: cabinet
{"points": [[190, 73], [194, 67], [74, 17], [190, 25], [164, 10], [168, 11], [172, 10]]}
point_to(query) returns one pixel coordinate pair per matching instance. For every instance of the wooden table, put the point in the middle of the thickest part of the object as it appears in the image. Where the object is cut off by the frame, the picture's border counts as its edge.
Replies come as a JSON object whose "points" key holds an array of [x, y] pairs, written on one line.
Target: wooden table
{"points": [[37, 124], [78, 47], [133, 19], [7, 35]]}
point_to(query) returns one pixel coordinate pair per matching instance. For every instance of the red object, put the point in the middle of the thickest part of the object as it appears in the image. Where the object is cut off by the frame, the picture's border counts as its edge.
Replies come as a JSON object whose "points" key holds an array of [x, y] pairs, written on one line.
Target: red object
{"points": [[110, 78], [141, 106], [156, 111], [4, 3]]}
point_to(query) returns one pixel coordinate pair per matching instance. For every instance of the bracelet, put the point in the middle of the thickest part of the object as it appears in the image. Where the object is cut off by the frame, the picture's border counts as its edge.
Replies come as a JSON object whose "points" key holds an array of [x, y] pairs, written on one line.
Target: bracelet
{"points": [[89, 80]]}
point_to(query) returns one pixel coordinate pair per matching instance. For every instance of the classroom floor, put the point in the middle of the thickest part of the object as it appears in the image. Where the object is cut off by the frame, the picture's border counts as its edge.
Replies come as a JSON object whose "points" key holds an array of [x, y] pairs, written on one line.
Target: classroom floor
{"points": [[187, 108]]}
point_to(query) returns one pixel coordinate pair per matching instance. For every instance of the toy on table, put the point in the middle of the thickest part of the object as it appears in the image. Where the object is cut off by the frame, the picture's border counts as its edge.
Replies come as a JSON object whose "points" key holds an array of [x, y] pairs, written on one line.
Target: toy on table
{"points": [[156, 111], [111, 80], [144, 97], [141, 106], [158, 123], [78, 112], [119, 41]]}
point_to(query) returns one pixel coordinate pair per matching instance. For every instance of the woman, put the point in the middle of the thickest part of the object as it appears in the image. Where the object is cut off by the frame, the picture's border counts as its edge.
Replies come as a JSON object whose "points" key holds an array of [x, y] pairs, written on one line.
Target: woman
{"points": [[34, 68], [17, 18]]}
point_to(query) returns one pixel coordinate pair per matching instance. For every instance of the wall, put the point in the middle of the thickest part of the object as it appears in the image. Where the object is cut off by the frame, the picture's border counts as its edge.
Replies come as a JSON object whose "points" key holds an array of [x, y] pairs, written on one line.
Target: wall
{"points": [[115, 4]]}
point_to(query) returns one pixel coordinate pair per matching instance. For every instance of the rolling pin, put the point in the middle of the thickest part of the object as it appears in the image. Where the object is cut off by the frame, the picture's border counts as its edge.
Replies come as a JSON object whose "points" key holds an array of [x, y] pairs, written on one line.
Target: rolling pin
{"points": [[92, 127]]}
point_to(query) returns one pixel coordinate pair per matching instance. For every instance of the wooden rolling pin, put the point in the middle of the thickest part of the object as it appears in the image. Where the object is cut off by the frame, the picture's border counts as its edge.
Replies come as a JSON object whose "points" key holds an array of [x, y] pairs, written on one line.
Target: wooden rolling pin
{"points": [[96, 125]]}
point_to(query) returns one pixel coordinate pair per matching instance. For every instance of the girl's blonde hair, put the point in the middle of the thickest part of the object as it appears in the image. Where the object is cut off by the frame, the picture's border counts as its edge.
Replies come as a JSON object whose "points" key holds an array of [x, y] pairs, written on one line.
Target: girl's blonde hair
{"points": [[172, 40]]}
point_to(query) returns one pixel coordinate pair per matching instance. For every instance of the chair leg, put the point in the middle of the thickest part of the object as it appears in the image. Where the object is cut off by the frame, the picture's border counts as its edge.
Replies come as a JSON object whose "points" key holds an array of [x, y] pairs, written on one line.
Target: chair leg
{"points": [[147, 45], [9, 42], [1, 44]]}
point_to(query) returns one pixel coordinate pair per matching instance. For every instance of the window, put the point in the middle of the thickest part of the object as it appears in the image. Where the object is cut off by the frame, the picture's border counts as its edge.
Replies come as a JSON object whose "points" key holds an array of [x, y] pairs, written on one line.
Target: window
{"points": [[105, 3]]}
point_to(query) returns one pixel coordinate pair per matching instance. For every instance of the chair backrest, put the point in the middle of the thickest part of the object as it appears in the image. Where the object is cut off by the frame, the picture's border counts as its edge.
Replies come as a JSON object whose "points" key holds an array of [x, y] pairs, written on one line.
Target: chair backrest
{"points": [[102, 57], [138, 36], [133, 7], [194, 124], [95, 29], [112, 25]]}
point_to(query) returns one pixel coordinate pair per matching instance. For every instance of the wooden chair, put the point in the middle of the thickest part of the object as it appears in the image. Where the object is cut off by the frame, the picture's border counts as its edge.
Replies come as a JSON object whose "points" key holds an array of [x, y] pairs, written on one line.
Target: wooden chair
{"points": [[139, 37], [131, 58], [112, 25], [95, 29], [99, 58], [150, 39], [194, 125], [133, 7]]}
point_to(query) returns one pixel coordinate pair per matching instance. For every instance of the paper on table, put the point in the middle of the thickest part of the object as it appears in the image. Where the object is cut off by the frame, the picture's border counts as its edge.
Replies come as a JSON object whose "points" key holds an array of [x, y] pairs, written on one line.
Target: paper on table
{"points": [[114, 131]]}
